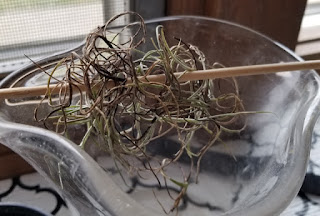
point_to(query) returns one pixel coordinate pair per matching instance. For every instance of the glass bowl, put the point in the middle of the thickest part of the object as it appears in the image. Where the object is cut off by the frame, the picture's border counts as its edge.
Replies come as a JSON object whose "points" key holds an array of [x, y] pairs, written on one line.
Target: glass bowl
{"points": [[256, 172]]}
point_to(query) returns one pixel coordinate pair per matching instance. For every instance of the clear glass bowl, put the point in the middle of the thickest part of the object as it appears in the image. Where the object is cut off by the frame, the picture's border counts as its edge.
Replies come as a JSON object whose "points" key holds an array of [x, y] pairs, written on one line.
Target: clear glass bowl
{"points": [[257, 172]]}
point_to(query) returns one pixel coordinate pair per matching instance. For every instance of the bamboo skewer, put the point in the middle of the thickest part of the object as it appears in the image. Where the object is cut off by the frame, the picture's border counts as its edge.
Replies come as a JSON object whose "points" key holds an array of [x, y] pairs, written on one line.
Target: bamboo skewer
{"points": [[182, 76]]}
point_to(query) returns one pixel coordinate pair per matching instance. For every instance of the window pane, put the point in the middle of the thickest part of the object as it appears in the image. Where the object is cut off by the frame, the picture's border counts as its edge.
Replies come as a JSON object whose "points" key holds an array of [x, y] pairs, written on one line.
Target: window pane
{"points": [[309, 37], [55, 21], [37, 28]]}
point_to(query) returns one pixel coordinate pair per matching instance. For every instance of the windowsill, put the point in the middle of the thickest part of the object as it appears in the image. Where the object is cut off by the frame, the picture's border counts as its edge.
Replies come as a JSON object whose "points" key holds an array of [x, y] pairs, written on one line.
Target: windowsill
{"points": [[11, 62], [309, 50], [309, 41], [309, 38]]}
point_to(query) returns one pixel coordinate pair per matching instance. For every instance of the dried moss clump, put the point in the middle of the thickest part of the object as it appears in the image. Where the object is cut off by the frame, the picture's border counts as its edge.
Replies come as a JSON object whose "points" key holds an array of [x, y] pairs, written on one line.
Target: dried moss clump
{"points": [[123, 114]]}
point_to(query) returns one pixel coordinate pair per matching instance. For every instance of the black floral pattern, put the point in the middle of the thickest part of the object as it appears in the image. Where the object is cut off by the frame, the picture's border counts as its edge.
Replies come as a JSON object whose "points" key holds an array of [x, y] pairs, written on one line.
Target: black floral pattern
{"points": [[19, 187]]}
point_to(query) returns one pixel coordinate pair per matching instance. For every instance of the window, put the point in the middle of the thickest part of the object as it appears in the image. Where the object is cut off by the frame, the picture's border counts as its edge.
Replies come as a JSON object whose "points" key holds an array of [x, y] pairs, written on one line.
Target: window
{"points": [[309, 37], [39, 28]]}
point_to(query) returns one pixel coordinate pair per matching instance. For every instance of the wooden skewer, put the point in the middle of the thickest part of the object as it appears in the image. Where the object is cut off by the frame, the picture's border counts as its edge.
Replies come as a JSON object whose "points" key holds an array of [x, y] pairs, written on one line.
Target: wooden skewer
{"points": [[182, 76]]}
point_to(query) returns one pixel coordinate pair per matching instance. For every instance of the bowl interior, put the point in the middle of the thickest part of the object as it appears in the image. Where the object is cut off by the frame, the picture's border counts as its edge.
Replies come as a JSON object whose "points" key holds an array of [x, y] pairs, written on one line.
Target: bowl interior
{"points": [[255, 172]]}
